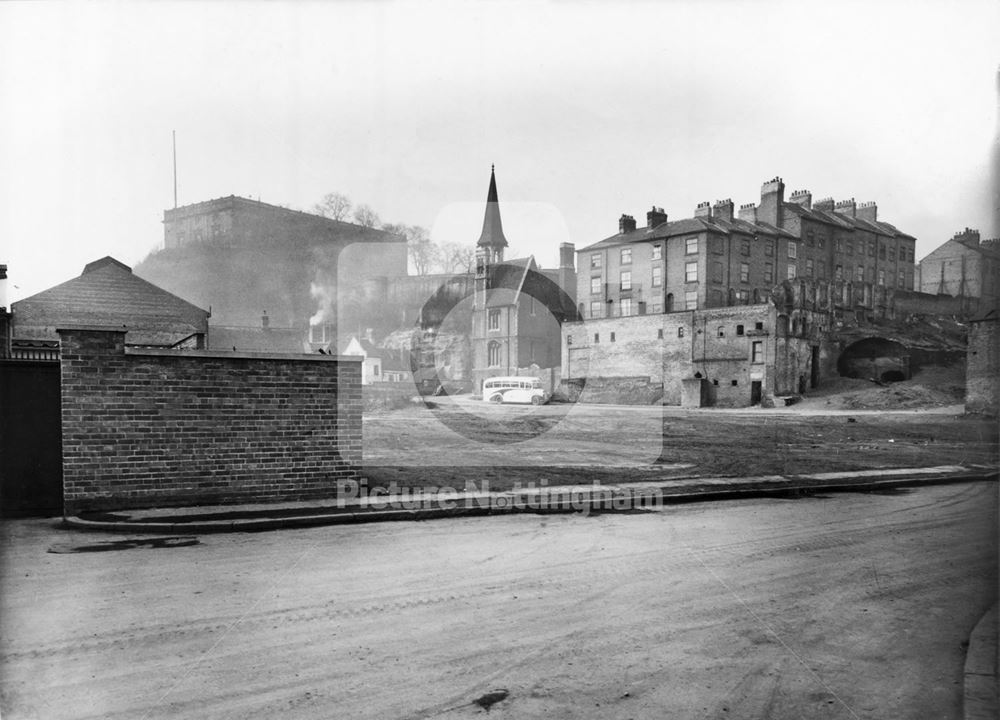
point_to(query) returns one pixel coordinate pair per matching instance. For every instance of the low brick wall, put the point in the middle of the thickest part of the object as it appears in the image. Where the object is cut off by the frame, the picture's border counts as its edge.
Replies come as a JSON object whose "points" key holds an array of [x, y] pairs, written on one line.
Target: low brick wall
{"points": [[147, 428]]}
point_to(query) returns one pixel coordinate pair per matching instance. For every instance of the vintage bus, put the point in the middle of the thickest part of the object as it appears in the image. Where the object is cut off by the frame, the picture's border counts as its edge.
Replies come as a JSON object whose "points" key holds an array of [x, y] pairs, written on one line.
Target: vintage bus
{"points": [[514, 389]]}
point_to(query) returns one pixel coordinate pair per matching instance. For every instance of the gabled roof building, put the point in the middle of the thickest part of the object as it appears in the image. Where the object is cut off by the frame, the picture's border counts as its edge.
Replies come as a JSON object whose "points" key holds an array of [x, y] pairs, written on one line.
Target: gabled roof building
{"points": [[721, 257], [964, 267], [108, 294], [731, 307], [518, 308]]}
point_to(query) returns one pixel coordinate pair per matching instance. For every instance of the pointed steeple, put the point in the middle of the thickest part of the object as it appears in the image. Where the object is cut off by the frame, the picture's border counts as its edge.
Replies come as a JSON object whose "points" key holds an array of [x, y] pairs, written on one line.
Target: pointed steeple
{"points": [[492, 236]]}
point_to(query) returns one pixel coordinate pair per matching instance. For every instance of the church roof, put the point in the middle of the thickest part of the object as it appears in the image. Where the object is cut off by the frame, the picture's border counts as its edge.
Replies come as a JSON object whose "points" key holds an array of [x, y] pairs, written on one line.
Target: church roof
{"points": [[492, 235]]}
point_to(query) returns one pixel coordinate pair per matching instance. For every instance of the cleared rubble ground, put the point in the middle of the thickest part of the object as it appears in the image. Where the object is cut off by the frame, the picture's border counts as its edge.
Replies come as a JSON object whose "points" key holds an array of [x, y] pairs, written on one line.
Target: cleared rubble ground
{"points": [[846, 425]]}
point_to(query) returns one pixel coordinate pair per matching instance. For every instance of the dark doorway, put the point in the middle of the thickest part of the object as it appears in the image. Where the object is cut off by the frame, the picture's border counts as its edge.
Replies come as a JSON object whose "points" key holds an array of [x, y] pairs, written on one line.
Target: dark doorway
{"points": [[814, 368], [30, 438], [755, 392]]}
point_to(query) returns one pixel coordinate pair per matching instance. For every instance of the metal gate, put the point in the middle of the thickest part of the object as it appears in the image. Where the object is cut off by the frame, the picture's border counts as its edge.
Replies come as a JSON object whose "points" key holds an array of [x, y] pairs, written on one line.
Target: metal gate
{"points": [[30, 438]]}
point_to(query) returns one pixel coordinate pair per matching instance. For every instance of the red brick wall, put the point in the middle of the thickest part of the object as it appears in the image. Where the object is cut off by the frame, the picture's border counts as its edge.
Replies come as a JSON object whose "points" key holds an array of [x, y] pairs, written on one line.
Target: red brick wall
{"points": [[162, 428]]}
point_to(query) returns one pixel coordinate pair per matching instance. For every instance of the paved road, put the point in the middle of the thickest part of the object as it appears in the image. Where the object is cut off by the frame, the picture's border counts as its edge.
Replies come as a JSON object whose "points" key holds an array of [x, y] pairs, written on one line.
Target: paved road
{"points": [[852, 606]]}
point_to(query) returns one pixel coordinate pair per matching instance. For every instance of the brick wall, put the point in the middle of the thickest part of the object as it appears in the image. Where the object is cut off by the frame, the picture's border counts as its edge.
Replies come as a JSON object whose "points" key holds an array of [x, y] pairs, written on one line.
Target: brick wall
{"points": [[982, 379], [924, 303], [161, 428]]}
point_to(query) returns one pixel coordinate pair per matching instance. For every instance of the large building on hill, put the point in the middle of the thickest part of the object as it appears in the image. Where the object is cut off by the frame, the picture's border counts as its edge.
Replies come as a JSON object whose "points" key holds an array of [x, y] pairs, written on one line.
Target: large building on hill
{"points": [[966, 268], [244, 258]]}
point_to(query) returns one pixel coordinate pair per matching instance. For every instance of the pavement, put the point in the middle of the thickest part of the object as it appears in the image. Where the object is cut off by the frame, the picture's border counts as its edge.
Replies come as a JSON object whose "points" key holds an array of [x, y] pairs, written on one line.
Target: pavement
{"points": [[357, 503]]}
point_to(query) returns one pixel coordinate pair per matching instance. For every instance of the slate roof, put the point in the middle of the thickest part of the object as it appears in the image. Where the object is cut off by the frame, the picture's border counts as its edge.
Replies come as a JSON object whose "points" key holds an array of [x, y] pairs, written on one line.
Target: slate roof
{"points": [[689, 226], [823, 216], [501, 297], [846, 221], [492, 235], [367, 345], [108, 294], [517, 279]]}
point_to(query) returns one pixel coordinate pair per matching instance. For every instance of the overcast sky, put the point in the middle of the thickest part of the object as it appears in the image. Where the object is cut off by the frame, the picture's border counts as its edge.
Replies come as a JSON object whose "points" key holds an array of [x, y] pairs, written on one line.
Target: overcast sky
{"points": [[588, 110]]}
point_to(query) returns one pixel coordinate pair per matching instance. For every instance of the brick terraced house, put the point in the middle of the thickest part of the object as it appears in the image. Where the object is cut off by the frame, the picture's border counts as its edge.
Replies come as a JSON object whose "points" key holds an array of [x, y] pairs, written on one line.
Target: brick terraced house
{"points": [[739, 300]]}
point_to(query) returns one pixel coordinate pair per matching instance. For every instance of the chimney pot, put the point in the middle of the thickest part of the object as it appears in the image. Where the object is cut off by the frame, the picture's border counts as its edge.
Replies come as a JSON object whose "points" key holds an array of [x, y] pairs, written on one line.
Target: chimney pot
{"points": [[655, 217], [723, 210], [748, 212], [265, 321], [772, 199], [626, 224]]}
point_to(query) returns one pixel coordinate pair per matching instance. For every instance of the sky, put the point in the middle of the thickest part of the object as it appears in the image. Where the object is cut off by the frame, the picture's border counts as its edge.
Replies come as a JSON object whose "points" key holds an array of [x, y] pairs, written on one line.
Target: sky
{"points": [[587, 109]]}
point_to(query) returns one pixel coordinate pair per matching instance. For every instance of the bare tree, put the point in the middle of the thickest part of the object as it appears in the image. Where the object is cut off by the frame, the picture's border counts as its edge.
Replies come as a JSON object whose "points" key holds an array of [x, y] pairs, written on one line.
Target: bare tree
{"points": [[333, 205], [365, 216], [457, 258], [423, 253]]}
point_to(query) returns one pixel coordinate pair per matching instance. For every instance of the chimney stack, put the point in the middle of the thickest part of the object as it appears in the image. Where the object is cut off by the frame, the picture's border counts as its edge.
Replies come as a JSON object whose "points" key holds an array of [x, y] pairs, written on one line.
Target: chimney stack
{"points": [[567, 255], [265, 321], [566, 274], [803, 198], [968, 237], [723, 210], [704, 210], [846, 207], [3, 288], [825, 205], [772, 198], [867, 211], [655, 217], [748, 213], [626, 224]]}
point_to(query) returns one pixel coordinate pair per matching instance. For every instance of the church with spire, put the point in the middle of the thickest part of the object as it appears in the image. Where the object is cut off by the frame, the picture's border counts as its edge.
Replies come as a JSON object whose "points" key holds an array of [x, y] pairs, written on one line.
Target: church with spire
{"points": [[518, 308]]}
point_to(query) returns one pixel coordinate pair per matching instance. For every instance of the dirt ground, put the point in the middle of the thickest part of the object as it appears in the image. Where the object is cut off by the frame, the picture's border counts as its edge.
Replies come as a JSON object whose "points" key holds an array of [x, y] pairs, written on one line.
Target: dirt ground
{"points": [[846, 425], [843, 607], [931, 386]]}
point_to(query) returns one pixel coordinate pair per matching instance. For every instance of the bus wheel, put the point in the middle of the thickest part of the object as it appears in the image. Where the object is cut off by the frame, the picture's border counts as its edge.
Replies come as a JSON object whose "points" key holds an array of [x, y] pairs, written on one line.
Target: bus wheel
{"points": [[496, 399], [536, 400]]}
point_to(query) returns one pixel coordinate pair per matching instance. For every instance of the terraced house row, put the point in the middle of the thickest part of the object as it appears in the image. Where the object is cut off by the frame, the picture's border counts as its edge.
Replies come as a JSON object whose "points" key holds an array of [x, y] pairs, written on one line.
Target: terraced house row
{"points": [[721, 257], [733, 307]]}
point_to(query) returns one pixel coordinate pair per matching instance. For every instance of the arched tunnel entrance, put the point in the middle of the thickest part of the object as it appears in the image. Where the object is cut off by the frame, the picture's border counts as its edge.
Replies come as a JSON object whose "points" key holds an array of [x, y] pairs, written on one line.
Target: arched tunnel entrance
{"points": [[876, 359]]}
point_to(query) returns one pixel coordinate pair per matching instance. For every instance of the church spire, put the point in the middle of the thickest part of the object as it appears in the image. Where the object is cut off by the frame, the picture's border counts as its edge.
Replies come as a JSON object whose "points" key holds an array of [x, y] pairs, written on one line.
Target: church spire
{"points": [[492, 236]]}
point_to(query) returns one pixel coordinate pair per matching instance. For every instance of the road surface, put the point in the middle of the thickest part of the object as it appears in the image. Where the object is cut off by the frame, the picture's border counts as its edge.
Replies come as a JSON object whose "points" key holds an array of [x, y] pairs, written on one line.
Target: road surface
{"points": [[847, 606]]}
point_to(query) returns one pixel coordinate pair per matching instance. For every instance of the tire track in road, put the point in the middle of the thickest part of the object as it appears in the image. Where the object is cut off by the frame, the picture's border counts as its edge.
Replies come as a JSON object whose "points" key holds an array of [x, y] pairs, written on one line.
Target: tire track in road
{"points": [[549, 578]]}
